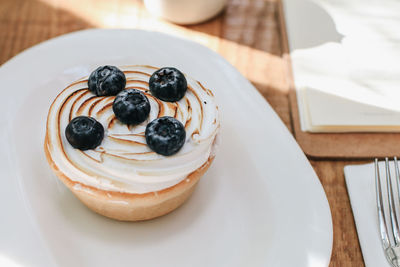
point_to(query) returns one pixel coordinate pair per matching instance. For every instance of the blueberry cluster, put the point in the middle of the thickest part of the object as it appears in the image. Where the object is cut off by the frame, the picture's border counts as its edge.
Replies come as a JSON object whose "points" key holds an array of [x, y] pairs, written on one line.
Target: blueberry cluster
{"points": [[164, 135]]}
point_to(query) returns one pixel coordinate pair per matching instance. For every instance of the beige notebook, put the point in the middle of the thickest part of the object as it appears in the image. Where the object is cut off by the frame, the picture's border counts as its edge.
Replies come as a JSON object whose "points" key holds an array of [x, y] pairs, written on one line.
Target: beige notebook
{"points": [[326, 144], [345, 58]]}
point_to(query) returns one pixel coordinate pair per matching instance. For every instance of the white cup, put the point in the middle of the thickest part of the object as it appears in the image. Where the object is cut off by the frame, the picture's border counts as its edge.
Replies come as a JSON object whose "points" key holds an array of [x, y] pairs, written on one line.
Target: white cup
{"points": [[185, 11]]}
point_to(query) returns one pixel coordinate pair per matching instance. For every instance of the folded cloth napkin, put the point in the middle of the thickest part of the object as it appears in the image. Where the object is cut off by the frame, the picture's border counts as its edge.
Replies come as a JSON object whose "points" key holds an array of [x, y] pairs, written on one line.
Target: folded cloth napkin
{"points": [[360, 180]]}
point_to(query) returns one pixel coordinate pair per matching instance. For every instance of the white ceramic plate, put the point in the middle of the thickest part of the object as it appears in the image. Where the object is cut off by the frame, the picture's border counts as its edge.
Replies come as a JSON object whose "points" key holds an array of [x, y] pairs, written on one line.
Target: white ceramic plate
{"points": [[260, 204]]}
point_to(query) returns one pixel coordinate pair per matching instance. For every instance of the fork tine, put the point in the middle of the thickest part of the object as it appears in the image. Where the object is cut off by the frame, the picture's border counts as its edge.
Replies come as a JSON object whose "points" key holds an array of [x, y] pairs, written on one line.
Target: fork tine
{"points": [[397, 174], [392, 212], [381, 211], [396, 167]]}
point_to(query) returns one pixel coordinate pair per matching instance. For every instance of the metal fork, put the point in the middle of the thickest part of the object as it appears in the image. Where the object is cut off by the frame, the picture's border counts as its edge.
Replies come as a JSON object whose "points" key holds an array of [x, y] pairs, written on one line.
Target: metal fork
{"points": [[390, 236]]}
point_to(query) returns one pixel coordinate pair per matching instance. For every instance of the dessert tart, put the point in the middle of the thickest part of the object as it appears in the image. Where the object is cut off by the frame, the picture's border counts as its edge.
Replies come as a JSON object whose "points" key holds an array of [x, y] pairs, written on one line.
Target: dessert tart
{"points": [[132, 142]]}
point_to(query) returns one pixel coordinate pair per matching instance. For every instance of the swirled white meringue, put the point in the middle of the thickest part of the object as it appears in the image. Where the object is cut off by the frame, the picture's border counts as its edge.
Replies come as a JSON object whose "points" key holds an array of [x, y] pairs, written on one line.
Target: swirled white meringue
{"points": [[123, 162]]}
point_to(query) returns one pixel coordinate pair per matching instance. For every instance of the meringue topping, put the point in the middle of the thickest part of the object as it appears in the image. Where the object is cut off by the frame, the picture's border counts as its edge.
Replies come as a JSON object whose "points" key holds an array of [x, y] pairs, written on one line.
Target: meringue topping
{"points": [[123, 162]]}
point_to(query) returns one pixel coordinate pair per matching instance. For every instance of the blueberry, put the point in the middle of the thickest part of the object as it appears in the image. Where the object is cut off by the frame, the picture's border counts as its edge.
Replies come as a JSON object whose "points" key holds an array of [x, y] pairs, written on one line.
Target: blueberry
{"points": [[106, 81], [165, 135], [168, 84], [84, 132], [131, 106]]}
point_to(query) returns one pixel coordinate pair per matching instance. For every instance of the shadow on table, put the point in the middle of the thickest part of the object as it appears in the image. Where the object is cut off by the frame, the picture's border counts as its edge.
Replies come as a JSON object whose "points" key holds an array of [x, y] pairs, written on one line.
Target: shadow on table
{"points": [[309, 24], [256, 24]]}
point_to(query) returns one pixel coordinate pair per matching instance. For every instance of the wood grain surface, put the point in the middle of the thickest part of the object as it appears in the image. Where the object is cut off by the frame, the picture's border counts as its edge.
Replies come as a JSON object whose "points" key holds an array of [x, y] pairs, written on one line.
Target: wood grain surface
{"points": [[247, 34]]}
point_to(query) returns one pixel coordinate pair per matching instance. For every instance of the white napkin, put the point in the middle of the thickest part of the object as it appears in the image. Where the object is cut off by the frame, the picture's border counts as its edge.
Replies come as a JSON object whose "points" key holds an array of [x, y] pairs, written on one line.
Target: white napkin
{"points": [[360, 180], [344, 56]]}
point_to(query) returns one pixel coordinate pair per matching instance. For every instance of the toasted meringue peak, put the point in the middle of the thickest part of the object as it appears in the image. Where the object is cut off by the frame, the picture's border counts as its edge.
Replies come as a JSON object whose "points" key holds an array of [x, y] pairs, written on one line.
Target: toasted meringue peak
{"points": [[123, 162]]}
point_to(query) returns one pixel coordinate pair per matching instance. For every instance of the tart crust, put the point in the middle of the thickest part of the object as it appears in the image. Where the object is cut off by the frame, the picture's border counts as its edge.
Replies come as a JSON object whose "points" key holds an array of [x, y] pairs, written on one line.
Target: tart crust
{"points": [[129, 206]]}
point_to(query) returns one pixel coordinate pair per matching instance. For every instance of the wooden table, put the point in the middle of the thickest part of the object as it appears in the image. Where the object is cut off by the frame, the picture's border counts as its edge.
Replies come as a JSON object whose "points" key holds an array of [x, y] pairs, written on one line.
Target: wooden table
{"points": [[247, 34]]}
